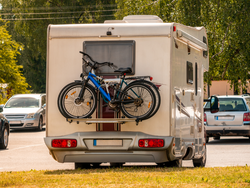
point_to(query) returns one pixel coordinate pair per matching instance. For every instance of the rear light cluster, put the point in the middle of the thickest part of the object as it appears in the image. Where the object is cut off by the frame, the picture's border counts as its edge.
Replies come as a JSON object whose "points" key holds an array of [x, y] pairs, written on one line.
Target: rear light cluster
{"points": [[246, 117], [64, 143], [151, 143], [205, 117]]}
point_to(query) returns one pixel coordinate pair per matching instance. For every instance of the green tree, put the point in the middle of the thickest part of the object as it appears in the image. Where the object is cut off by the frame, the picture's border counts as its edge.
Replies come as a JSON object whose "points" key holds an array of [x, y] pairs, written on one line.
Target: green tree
{"points": [[10, 73], [29, 21], [227, 24]]}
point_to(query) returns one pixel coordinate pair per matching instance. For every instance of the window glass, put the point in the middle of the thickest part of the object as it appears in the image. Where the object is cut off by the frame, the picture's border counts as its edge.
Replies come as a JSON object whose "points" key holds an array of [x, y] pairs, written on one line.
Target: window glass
{"points": [[120, 53], [43, 100], [196, 79], [189, 72], [22, 103], [230, 104], [248, 102]]}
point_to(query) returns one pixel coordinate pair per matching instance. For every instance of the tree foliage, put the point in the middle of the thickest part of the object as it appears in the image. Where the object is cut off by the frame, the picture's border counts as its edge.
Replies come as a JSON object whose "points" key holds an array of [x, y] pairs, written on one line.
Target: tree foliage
{"points": [[227, 24], [226, 21], [28, 25], [10, 73]]}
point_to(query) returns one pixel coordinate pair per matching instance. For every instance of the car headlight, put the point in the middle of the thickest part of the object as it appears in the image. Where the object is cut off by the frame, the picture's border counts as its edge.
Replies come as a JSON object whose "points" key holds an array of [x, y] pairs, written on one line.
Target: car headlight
{"points": [[31, 115]]}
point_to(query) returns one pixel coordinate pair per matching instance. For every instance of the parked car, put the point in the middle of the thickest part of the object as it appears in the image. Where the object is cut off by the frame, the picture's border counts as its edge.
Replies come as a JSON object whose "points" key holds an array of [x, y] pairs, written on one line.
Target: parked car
{"points": [[26, 111], [4, 132], [233, 118]]}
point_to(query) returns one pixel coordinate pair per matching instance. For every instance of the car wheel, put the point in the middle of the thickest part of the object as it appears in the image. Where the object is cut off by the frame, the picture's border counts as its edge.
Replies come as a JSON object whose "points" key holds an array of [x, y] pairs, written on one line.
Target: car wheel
{"points": [[174, 163], [207, 139], [40, 124], [217, 138], [202, 161], [4, 139], [116, 165]]}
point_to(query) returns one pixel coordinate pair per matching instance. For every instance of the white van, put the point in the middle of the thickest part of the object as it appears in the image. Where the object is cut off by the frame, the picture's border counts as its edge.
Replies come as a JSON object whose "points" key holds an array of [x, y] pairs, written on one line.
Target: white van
{"points": [[173, 54]]}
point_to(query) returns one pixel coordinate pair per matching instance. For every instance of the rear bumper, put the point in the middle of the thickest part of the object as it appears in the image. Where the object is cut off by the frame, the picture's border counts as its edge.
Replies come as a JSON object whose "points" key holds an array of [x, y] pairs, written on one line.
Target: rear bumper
{"points": [[128, 152], [228, 131]]}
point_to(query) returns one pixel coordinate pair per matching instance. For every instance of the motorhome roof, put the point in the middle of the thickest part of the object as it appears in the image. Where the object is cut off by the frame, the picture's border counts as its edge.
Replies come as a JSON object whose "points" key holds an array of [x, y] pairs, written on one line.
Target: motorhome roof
{"points": [[137, 19]]}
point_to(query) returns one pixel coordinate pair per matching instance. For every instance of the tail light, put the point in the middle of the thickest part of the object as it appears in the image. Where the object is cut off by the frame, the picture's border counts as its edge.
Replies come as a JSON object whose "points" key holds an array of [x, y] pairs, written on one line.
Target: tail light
{"points": [[246, 117], [151, 143], [150, 78], [205, 117], [174, 28], [64, 143]]}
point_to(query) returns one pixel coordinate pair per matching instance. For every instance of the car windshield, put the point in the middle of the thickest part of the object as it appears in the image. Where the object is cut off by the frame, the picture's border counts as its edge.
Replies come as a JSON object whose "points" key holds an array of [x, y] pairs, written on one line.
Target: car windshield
{"points": [[22, 103], [230, 104]]}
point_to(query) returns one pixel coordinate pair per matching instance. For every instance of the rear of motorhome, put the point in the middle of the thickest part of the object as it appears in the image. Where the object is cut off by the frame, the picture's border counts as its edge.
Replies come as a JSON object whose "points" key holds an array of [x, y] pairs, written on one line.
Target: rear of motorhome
{"points": [[174, 55]]}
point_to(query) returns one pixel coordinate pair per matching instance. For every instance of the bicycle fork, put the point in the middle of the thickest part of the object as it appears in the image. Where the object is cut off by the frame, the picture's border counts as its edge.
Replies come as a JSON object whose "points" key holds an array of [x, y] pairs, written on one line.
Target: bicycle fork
{"points": [[80, 99]]}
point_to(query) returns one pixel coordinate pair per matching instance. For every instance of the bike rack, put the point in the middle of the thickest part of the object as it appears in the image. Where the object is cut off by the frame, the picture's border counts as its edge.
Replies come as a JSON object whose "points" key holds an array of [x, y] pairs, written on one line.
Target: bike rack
{"points": [[102, 120]]}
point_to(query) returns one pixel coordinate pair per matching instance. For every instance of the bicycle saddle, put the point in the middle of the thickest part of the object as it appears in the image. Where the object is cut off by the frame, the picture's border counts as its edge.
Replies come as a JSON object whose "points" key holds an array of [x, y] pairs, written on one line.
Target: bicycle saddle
{"points": [[124, 70]]}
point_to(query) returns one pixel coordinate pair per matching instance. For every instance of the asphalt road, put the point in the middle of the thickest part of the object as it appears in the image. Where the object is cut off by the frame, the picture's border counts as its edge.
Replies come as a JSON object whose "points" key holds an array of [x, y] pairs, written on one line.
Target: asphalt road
{"points": [[27, 151]]}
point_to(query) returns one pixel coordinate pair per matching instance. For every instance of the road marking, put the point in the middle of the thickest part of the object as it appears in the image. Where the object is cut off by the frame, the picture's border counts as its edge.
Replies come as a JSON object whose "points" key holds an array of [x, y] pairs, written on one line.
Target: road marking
{"points": [[25, 147]]}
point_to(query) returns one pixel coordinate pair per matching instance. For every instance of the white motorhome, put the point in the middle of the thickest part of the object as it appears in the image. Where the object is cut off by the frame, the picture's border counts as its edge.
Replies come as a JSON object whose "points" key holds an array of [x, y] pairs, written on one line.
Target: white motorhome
{"points": [[175, 55]]}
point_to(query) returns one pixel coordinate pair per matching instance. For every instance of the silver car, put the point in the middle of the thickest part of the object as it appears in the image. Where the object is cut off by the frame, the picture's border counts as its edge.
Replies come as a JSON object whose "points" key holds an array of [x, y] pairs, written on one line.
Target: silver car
{"points": [[26, 111], [233, 118]]}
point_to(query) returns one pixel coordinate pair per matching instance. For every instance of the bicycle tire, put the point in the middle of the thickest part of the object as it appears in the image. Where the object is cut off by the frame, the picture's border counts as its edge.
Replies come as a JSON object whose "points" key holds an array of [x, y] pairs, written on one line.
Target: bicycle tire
{"points": [[135, 110], [156, 92], [59, 96], [67, 105]]}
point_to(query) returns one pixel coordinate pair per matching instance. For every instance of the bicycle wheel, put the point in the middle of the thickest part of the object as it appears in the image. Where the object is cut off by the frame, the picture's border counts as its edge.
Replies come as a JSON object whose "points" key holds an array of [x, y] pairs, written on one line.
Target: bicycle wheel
{"points": [[70, 107], [156, 92], [143, 101]]}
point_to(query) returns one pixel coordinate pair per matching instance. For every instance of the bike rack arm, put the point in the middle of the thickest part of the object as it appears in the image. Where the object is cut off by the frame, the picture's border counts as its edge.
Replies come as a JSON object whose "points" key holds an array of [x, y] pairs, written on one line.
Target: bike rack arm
{"points": [[101, 120]]}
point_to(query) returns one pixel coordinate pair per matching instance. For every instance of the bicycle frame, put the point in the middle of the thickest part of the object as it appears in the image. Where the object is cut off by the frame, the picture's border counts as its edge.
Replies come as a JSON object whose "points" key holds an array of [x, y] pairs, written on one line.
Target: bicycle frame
{"points": [[90, 77]]}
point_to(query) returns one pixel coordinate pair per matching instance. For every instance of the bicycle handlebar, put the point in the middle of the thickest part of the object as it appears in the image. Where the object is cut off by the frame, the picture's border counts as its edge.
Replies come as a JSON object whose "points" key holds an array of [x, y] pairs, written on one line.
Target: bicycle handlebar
{"points": [[96, 64]]}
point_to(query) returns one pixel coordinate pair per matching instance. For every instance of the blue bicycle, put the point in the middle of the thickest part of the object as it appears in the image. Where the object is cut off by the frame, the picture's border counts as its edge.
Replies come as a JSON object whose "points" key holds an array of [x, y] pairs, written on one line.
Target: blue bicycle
{"points": [[138, 99]]}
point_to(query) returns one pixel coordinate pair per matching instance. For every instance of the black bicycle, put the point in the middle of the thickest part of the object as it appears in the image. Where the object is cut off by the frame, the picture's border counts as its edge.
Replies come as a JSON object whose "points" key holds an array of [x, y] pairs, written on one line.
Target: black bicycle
{"points": [[136, 97]]}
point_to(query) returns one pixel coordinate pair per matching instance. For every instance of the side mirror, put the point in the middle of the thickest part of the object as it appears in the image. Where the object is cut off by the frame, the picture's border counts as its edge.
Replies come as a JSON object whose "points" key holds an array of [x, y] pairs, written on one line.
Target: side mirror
{"points": [[1, 108], [214, 104]]}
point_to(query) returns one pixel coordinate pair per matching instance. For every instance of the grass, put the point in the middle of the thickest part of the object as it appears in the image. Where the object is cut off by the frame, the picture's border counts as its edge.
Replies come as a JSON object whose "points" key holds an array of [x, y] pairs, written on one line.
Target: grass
{"points": [[130, 177]]}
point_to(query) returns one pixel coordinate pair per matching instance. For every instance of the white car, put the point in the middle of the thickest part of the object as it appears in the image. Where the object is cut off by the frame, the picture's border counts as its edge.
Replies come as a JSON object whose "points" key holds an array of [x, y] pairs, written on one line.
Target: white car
{"points": [[26, 111], [233, 118]]}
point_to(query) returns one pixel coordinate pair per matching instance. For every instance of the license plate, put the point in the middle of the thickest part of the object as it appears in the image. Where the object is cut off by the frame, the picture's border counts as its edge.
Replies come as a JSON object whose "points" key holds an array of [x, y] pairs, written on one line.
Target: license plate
{"points": [[224, 117], [15, 122], [107, 142]]}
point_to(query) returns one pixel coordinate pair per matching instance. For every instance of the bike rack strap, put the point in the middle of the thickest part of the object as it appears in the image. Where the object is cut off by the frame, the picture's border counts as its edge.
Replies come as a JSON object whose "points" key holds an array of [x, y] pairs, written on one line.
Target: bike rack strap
{"points": [[101, 120]]}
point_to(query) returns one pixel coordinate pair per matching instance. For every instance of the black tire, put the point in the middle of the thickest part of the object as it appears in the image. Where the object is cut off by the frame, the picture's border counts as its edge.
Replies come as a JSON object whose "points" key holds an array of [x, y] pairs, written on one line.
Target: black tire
{"points": [[174, 163], [116, 165], [4, 139], [40, 124], [140, 110], [202, 161], [207, 139], [217, 138], [67, 105], [156, 92], [82, 166]]}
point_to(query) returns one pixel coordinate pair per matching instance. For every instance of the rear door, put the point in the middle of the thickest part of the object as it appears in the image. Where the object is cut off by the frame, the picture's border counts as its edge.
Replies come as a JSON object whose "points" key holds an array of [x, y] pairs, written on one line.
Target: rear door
{"points": [[230, 114]]}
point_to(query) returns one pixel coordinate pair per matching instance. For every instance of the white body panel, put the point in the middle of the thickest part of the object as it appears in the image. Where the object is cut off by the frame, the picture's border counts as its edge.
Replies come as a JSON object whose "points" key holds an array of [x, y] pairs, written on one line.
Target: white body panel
{"points": [[156, 56]]}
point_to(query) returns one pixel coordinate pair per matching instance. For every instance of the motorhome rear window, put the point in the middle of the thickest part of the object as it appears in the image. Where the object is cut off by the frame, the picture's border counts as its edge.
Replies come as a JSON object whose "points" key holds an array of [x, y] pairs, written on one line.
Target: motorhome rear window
{"points": [[121, 53]]}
